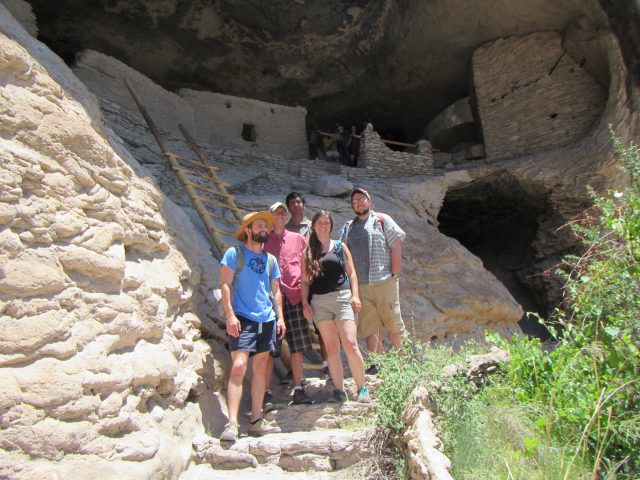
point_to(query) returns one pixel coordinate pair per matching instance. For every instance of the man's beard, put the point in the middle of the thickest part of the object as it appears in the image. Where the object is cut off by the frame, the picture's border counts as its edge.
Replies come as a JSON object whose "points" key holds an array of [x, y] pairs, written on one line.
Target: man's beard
{"points": [[362, 212], [260, 237]]}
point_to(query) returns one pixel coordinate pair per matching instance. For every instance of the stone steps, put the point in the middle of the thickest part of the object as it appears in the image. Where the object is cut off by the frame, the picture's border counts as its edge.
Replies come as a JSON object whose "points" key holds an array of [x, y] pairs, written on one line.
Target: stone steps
{"points": [[324, 438]]}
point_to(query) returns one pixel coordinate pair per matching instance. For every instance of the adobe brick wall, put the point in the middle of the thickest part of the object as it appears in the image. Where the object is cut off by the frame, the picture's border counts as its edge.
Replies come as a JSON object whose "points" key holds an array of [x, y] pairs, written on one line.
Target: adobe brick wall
{"points": [[532, 96]]}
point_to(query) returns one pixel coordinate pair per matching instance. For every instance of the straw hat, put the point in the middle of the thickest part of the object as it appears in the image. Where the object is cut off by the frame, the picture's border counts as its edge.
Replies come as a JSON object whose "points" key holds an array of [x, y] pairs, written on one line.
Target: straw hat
{"points": [[251, 217]]}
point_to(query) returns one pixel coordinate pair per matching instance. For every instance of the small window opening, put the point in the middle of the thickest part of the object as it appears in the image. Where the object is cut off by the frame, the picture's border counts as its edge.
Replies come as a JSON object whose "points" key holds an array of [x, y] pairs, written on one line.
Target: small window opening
{"points": [[249, 132]]}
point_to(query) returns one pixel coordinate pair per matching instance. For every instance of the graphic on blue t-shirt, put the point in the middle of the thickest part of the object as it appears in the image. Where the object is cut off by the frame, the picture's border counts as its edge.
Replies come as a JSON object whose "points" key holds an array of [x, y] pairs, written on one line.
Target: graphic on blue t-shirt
{"points": [[252, 298]]}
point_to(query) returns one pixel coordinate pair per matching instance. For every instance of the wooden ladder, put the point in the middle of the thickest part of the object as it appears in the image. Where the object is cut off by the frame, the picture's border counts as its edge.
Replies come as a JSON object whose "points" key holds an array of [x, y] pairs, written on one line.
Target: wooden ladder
{"points": [[200, 180]]}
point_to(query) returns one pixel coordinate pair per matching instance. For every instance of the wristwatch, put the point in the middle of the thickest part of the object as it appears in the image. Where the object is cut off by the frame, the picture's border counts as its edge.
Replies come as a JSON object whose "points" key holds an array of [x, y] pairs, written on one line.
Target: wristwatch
{"points": [[395, 275]]}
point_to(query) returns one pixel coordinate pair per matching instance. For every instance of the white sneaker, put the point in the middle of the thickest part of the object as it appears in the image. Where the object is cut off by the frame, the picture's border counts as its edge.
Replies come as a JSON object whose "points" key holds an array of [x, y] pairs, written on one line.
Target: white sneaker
{"points": [[262, 427], [230, 433]]}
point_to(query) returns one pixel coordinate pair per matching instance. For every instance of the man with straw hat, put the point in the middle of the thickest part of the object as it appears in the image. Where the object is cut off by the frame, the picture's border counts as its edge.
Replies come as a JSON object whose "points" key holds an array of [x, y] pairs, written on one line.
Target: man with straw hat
{"points": [[252, 303]]}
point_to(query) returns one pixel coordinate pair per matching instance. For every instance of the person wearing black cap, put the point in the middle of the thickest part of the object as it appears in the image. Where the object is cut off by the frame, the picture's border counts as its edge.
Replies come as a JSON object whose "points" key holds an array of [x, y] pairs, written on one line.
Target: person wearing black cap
{"points": [[375, 241], [249, 279]]}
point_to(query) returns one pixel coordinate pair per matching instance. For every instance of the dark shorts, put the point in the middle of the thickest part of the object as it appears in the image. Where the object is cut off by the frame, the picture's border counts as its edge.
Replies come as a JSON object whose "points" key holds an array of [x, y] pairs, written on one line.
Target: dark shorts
{"points": [[297, 333], [255, 337]]}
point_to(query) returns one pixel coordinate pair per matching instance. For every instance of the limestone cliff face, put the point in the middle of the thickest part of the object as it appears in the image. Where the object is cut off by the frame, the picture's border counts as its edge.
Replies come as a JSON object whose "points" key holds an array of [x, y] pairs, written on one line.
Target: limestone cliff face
{"points": [[99, 343]]}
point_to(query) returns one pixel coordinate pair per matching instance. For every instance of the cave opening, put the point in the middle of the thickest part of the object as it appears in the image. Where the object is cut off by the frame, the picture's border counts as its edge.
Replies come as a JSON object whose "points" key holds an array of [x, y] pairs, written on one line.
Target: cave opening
{"points": [[498, 222]]}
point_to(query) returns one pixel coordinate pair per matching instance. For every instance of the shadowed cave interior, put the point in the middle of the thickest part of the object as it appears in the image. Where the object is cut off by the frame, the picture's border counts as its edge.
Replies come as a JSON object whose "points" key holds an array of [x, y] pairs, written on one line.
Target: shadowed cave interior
{"points": [[498, 222]]}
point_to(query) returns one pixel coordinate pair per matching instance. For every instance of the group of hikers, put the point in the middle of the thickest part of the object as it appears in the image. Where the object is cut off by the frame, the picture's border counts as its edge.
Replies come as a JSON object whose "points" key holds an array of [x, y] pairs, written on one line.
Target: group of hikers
{"points": [[288, 272], [339, 146]]}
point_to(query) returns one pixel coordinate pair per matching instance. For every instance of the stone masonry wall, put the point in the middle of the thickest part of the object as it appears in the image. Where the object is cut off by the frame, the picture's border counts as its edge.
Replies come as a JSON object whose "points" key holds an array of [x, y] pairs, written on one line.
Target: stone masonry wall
{"points": [[377, 157], [532, 96], [210, 118]]}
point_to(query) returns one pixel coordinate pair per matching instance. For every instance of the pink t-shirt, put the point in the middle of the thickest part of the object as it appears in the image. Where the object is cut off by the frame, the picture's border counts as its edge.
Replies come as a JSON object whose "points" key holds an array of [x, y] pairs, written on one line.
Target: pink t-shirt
{"points": [[288, 248]]}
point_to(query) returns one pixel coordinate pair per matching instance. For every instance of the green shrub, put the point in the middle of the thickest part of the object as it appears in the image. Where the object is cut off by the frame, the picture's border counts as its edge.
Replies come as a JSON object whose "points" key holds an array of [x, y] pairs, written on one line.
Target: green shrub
{"points": [[486, 432], [590, 379], [401, 373]]}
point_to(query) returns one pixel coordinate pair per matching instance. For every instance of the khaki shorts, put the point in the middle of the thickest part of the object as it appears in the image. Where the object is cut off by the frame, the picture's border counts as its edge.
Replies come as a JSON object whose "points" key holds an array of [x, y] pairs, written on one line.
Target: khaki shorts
{"points": [[380, 308], [332, 306]]}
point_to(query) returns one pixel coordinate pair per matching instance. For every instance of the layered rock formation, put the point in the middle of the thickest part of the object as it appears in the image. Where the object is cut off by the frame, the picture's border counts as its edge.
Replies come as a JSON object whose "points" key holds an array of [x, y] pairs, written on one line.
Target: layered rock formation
{"points": [[99, 344]]}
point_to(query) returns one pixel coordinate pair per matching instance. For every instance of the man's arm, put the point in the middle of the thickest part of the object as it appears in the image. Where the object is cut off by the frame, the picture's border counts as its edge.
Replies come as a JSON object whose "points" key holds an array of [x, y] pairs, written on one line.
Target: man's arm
{"points": [[226, 280], [396, 257], [277, 297]]}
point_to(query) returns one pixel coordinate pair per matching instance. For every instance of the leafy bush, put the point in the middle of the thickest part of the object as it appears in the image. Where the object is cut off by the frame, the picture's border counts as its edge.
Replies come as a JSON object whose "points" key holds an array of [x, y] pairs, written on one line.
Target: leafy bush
{"points": [[400, 374], [590, 380]]}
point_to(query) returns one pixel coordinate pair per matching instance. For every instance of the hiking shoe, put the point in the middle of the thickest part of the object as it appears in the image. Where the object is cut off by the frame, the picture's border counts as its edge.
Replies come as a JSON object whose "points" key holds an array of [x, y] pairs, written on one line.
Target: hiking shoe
{"points": [[287, 379], [262, 427], [363, 395], [267, 402], [300, 398], [230, 433], [372, 370], [340, 396]]}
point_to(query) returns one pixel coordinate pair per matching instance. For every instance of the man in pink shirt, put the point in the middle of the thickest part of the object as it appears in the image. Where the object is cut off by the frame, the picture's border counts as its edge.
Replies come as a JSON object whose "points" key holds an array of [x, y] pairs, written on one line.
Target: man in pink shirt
{"points": [[288, 247]]}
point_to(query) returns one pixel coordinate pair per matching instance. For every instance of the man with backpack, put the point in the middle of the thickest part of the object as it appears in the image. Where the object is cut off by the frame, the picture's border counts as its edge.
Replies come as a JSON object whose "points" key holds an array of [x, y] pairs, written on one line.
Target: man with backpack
{"points": [[375, 241], [252, 303]]}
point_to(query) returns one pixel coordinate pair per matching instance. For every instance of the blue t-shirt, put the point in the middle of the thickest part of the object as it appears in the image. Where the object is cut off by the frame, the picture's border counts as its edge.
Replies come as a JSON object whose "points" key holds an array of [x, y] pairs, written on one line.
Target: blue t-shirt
{"points": [[252, 293]]}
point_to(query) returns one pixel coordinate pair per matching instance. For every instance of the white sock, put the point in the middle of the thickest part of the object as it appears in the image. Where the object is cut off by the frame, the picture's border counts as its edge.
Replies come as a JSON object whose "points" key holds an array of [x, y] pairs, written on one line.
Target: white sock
{"points": [[324, 364]]}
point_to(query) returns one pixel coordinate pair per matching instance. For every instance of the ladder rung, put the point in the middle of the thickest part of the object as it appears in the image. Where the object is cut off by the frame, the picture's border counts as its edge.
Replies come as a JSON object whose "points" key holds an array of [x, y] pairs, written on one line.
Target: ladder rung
{"points": [[196, 174], [197, 164], [212, 192], [213, 177], [216, 202], [218, 217]]}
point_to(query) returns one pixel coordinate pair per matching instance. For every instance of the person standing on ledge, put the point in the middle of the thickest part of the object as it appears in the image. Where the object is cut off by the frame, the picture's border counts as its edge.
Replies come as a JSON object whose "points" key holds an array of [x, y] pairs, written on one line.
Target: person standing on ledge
{"points": [[330, 298], [375, 241], [249, 280], [299, 223]]}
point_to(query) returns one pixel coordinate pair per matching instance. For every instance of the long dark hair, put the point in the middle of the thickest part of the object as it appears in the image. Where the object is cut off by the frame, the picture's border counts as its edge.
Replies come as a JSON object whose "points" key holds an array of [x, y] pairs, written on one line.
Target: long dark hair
{"points": [[314, 249]]}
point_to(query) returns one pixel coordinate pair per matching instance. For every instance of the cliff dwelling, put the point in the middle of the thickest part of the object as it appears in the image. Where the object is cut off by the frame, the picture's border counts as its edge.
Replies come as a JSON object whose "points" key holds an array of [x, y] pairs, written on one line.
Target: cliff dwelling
{"points": [[490, 121]]}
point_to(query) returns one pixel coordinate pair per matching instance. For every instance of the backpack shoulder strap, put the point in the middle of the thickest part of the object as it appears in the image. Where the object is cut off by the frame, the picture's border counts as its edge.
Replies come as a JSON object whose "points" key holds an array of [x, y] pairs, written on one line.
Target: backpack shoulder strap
{"points": [[239, 259], [338, 250], [381, 220], [344, 231], [239, 268], [271, 263]]}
